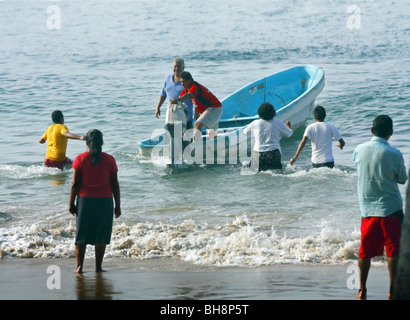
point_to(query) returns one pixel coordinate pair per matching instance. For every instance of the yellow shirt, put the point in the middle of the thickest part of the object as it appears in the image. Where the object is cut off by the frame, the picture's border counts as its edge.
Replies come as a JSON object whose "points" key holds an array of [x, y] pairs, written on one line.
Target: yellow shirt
{"points": [[56, 141]]}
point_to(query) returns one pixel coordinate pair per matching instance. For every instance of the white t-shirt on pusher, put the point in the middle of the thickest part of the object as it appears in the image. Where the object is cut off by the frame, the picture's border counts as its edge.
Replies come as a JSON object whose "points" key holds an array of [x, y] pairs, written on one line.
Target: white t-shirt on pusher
{"points": [[321, 135], [267, 134]]}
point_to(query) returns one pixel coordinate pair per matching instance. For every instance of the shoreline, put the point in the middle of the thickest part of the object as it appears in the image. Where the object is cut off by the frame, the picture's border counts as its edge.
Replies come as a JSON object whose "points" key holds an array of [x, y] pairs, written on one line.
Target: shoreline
{"points": [[154, 279]]}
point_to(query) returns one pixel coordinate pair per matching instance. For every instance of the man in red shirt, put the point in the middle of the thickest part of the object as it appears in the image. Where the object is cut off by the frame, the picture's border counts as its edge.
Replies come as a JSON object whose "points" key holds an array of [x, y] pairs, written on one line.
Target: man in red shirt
{"points": [[206, 104]]}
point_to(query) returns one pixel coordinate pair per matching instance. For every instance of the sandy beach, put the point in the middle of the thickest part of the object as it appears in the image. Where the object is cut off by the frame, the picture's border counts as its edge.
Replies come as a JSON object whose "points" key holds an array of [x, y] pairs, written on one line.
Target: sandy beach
{"points": [[35, 279]]}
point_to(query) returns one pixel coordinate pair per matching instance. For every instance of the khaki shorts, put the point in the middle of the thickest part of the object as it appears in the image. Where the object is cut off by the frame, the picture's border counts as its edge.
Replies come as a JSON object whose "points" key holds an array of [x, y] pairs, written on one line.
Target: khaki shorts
{"points": [[210, 117]]}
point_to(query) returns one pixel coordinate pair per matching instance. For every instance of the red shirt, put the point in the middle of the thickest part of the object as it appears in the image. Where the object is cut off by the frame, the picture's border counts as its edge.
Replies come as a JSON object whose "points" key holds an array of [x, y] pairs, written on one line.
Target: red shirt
{"points": [[203, 98], [95, 179]]}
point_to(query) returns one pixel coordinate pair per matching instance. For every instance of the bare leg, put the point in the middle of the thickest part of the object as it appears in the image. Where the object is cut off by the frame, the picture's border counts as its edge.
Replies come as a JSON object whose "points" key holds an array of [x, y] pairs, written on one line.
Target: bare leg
{"points": [[212, 134], [364, 266], [197, 131], [99, 255], [80, 253], [392, 265]]}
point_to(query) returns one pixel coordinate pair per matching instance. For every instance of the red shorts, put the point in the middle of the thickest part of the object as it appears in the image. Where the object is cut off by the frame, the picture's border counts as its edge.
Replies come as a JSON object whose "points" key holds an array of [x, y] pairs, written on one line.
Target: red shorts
{"points": [[377, 232], [57, 164]]}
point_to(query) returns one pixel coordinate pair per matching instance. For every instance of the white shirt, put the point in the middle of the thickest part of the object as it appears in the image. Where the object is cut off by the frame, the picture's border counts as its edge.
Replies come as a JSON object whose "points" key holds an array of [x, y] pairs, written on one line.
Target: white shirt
{"points": [[321, 135], [267, 134]]}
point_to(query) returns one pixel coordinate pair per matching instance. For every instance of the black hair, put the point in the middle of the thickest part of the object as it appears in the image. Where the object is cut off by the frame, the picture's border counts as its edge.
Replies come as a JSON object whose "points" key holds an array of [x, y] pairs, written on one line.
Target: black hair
{"points": [[382, 126], [95, 141], [56, 116], [186, 75], [266, 111], [320, 113]]}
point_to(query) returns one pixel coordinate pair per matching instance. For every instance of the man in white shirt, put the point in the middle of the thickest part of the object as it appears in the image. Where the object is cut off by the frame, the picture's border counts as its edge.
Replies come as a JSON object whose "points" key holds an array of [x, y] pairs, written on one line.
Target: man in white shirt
{"points": [[267, 131], [321, 134]]}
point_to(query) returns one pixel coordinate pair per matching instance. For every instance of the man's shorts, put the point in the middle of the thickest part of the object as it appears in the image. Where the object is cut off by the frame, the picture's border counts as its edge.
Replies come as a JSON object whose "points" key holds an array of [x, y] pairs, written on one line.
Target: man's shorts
{"points": [[321, 165], [57, 164], [210, 117], [378, 232]]}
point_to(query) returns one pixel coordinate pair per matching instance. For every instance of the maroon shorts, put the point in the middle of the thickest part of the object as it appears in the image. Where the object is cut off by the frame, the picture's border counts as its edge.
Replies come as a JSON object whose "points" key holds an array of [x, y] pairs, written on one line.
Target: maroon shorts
{"points": [[57, 164], [378, 232]]}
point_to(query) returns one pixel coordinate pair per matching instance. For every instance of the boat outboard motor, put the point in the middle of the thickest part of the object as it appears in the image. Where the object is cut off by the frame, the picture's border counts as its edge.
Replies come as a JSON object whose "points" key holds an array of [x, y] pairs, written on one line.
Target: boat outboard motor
{"points": [[175, 123]]}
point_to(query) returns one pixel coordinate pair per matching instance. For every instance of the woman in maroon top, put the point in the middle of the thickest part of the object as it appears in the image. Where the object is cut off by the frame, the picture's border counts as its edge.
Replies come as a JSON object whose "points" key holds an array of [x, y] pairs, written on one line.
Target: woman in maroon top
{"points": [[95, 182]]}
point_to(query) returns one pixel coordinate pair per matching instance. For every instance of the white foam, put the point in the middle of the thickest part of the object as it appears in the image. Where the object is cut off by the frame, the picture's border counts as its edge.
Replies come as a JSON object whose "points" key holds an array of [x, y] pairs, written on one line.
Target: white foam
{"points": [[17, 172], [235, 243], [37, 241]]}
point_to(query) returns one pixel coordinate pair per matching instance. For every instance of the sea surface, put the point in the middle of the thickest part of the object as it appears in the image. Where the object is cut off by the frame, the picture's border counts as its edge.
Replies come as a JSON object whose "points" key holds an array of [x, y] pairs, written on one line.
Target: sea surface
{"points": [[103, 64]]}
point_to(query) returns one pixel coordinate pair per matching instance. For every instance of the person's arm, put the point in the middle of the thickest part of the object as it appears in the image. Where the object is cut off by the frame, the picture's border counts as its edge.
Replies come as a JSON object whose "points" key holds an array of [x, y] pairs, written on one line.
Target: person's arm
{"points": [[196, 114], [287, 131], [115, 187], [341, 144], [246, 130], [402, 173], [185, 97], [160, 102], [75, 186], [70, 135], [43, 138], [300, 148]]}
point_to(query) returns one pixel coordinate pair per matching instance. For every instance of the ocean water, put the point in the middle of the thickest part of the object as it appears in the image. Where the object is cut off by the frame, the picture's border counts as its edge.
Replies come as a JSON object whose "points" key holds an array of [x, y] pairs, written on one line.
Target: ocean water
{"points": [[103, 64]]}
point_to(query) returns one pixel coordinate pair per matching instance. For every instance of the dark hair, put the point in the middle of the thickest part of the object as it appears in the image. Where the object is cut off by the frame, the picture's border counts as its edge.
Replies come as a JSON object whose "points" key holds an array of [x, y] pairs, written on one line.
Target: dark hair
{"points": [[56, 116], [186, 75], [320, 113], [266, 111], [382, 126], [95, 141]]}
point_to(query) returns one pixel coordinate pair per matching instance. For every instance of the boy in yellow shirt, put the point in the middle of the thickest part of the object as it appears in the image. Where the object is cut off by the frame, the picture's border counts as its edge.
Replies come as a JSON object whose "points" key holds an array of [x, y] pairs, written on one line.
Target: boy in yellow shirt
{"points": [[57, 136]]}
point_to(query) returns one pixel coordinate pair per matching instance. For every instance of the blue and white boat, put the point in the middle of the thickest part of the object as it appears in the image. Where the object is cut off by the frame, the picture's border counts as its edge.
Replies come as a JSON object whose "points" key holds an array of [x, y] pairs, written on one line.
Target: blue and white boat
{"points": [[292, 92]]}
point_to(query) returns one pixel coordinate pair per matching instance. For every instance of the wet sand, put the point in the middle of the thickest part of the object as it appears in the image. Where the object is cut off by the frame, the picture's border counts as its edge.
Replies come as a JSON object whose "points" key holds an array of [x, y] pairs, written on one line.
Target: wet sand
{"points": [[30, 279]]}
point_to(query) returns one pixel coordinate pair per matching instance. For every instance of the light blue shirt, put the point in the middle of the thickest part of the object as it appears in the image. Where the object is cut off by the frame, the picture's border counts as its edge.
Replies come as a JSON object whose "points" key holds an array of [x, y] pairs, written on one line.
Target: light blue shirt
{"points": [[380, 167], [172, 90]]}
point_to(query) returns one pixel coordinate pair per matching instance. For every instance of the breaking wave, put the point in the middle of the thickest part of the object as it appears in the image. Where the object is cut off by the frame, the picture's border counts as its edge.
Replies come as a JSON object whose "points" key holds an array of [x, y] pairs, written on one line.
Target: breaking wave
{"points": [[236, 243]]}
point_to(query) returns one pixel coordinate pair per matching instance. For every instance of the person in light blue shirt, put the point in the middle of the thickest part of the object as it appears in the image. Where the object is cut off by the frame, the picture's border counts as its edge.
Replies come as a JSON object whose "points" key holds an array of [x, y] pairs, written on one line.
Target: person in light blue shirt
{"points": [[172, 88], [380, 168]]}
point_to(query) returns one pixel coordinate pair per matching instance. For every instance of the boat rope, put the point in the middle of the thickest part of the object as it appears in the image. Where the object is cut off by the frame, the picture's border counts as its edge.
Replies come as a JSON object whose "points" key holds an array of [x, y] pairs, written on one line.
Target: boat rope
{"points": [[284, 103], [311, 79]]}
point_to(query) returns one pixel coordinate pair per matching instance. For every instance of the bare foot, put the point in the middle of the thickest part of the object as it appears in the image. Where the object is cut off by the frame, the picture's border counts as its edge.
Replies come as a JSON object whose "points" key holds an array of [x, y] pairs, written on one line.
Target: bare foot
{"points": [[362, 294], [78, 270]]}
